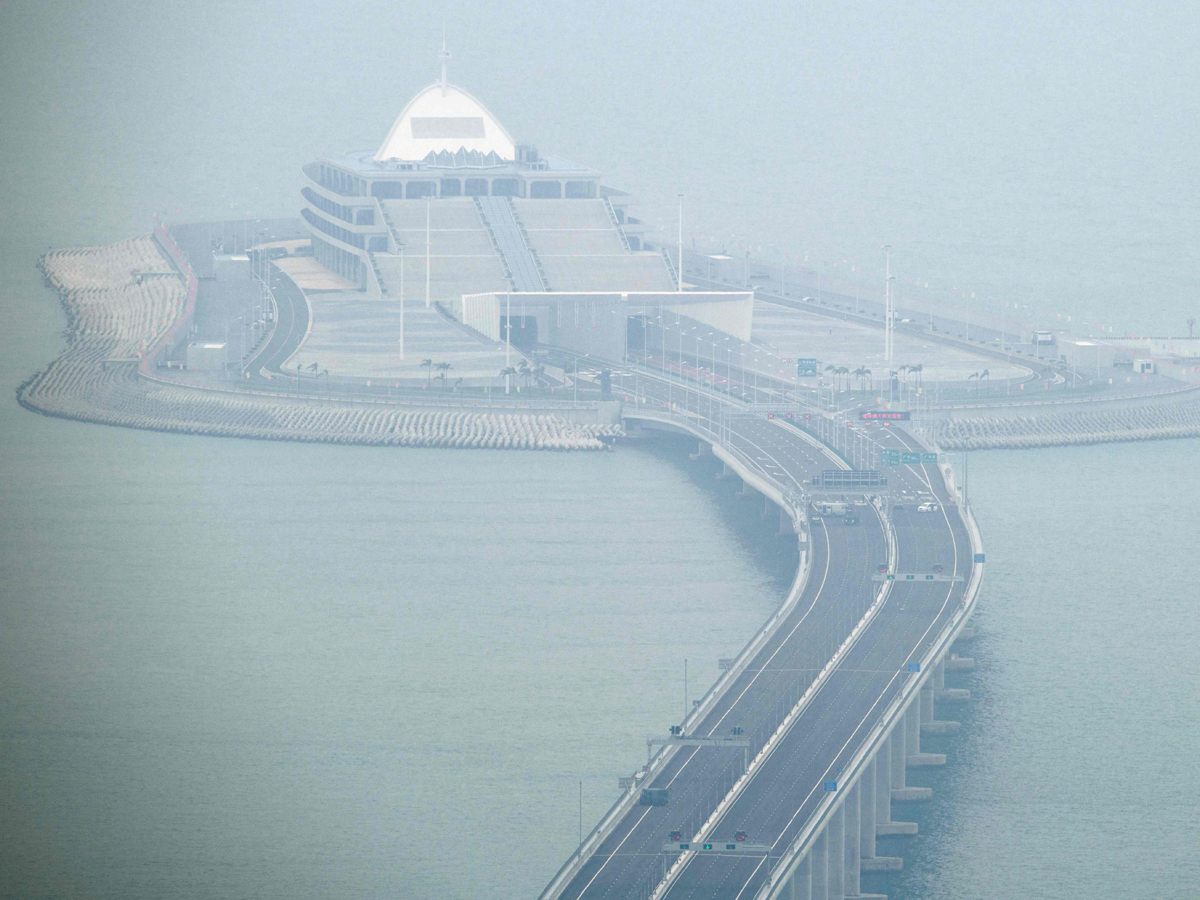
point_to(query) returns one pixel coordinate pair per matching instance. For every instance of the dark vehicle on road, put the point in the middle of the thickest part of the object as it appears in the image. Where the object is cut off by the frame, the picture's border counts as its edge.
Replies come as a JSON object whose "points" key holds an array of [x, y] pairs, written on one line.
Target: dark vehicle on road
{"points": [[851, 519]]}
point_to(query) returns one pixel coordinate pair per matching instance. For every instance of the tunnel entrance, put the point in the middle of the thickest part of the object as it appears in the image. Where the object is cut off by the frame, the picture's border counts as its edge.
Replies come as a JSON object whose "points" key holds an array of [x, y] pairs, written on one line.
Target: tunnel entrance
{"points": [[524, 330]]}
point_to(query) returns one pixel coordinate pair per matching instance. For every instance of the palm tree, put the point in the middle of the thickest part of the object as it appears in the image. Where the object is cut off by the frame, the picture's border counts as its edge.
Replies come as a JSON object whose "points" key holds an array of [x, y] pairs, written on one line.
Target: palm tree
{"points": [[427, 365], [524, 371], [457, 385], [313, 367], [918, 368], [843, 371], [988, 375], [507, 372], [443, 368], [971, 376], [538, 371]]}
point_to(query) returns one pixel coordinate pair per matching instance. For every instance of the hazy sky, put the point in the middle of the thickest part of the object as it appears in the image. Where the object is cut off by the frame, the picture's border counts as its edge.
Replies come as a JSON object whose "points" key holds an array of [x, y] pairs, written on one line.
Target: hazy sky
{"points": [[1043, 151]]}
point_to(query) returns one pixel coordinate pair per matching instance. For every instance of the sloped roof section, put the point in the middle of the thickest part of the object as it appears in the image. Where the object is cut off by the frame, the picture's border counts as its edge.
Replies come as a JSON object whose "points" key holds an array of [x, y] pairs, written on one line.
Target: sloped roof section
{"points": [[444, 119]]}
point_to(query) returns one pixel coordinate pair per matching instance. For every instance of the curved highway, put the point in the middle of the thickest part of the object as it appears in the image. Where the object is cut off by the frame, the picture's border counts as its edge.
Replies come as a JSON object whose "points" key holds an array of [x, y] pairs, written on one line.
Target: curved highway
{"points": [[785, 790]]}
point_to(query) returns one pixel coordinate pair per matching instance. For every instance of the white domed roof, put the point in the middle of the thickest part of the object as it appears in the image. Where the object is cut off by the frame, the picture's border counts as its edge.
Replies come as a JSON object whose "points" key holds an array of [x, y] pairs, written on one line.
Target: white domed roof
{"points": [[443, 118]]}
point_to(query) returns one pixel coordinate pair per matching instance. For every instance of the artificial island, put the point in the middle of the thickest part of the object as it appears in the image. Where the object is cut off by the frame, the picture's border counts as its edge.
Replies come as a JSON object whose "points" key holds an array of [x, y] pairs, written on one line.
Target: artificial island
{"points": [[456, 288]]}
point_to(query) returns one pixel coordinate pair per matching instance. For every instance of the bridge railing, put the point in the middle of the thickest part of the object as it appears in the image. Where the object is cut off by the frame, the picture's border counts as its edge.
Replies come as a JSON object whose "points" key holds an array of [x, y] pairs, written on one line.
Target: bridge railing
{"points": [[776, 887], [793, 503]]}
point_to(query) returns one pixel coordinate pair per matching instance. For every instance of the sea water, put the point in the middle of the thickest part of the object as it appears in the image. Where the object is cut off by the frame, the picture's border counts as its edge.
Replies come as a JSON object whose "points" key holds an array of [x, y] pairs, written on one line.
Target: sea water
{"points": [[232, 668]]}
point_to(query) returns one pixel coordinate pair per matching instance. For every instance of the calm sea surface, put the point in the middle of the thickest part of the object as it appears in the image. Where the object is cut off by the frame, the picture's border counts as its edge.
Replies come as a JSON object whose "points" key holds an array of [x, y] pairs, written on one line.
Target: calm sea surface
{"points": [[239, 669]]}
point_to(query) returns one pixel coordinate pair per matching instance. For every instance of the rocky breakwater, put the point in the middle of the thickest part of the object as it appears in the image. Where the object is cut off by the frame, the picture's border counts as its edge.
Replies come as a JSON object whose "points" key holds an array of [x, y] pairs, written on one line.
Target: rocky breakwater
{"points": [[1134, 422], [114, 314]]}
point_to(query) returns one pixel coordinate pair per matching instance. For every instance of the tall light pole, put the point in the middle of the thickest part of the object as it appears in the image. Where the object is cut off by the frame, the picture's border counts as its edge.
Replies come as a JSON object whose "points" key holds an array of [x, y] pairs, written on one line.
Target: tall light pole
{"points": [[401, 303], [889, 312], [680, 272], [507, 341], [428, 250]]}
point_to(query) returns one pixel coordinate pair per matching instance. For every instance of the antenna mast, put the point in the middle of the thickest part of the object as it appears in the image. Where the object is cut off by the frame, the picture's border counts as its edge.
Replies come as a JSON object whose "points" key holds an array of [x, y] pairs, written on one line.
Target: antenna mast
{"points": [[444, 57]]}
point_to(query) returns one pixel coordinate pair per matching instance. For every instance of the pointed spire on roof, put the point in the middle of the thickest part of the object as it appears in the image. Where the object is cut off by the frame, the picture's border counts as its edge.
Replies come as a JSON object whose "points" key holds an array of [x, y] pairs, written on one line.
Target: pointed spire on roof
{"points": [[444, 56]]}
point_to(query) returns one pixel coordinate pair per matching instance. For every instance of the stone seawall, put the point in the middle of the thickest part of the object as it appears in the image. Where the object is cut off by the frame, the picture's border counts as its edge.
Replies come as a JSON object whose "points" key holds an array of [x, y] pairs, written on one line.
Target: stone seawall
{"points": [[1149, 422], [114, 314]]}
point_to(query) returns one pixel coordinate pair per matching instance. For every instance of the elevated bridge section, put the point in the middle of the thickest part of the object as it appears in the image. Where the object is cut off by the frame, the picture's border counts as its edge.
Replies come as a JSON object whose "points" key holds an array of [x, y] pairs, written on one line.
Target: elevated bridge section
{"points": [[833, 694]]}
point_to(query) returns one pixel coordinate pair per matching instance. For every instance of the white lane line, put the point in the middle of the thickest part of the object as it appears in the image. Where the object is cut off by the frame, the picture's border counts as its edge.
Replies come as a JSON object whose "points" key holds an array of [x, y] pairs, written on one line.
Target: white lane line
{"points": [[886, 689]]}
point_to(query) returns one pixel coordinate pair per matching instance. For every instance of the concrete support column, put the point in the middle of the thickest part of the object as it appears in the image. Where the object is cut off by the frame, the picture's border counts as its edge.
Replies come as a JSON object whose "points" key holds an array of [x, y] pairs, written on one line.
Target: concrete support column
{"points": [[820, 866], [912, 729], [939, 675], [802, 879], [927, 702], [837, 853], [867, 808], [852, 858], [768, 507], [897, 755], [883, 783]]}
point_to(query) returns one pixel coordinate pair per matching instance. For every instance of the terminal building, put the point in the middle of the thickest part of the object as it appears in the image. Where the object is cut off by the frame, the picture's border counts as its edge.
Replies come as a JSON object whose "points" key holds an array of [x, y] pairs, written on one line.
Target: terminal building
{"points": [[415, 244], [450, 186]]}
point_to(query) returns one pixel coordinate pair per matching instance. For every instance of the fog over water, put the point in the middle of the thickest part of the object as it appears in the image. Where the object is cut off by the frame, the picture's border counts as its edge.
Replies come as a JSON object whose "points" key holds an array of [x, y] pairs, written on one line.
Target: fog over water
{"points": [[234, 668]]}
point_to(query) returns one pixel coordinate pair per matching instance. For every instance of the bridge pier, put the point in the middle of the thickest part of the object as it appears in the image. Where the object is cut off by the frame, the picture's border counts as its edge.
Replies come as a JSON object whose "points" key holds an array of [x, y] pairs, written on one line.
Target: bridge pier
{"points": [[702, 450], [786, 526], [868, 806], [926, 703], [937, 684], [899, 743], [768, 506], [883, 785], [852, 859], [820, 866], [924, 721], [837, 853], [802, 879]]}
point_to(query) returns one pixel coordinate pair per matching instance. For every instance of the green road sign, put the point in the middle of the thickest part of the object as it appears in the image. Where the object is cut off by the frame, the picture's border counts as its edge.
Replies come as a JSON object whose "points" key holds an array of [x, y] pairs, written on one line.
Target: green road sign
{"points": [[929, 459], [889, 457], [910, 459], [806, 367]]}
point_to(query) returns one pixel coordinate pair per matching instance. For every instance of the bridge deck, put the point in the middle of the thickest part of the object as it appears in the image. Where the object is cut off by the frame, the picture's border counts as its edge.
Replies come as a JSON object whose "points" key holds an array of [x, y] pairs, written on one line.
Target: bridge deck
{"points": [[785, 791]]}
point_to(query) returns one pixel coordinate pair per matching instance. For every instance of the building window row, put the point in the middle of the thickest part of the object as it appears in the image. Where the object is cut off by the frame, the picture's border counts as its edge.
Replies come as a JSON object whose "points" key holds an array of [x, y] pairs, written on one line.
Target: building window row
{"points": [[481, 187], [342, 182], [345, 213], [339, 261], [342, 234]]}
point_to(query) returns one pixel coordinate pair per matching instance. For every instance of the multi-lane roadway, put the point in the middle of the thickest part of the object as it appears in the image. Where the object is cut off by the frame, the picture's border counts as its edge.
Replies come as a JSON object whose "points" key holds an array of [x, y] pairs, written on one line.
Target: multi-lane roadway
{"points": [[774, 805]]}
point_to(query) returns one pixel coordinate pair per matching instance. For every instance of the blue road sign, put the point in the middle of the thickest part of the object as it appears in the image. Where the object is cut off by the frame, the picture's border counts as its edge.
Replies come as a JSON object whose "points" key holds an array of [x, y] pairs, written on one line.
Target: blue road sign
{"points": [[806, 367], [914, 667], [830, 787], [978, 557]]}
